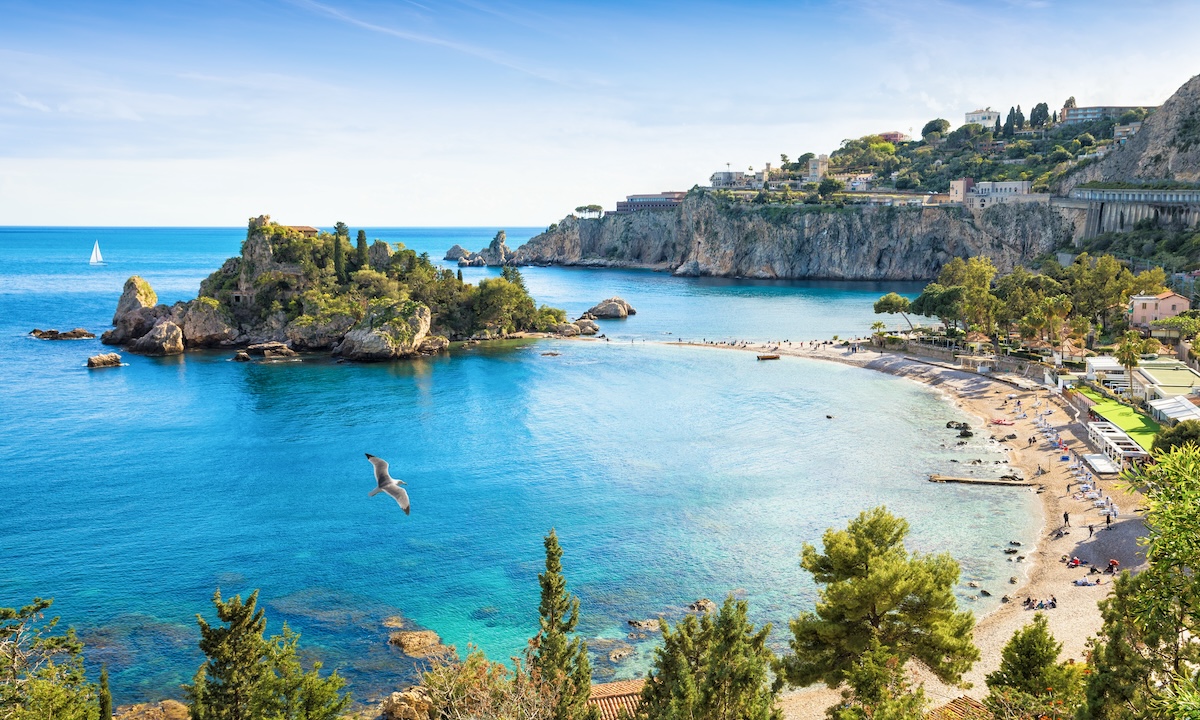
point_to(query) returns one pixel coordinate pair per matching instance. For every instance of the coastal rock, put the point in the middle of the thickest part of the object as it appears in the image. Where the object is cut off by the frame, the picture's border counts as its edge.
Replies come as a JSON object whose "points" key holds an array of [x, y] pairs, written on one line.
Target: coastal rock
{"points": [[497, 253], [707, 237], [611, 308], [619, 653], [379, 255], [417, 643], [567, 329], [474, 260], [321, 332], [76, 334], [164, 710], [241, 356], [270, 349], [411, 704], [104, 360], [136, 295], [646, 625], [703, 605], [456, 253], [204, 325], [166, 338], [587, 327], [392, 329], [433, 344], [394, 621]]}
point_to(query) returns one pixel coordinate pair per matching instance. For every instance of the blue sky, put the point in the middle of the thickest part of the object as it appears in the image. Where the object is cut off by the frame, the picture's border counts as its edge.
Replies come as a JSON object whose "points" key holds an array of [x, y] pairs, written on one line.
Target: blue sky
{"points": [[471, 112]]}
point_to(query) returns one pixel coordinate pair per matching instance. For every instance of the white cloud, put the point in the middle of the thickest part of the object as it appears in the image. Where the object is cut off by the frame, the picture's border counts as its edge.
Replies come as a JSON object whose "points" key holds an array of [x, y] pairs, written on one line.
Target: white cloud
{"points": [[25, 102]]}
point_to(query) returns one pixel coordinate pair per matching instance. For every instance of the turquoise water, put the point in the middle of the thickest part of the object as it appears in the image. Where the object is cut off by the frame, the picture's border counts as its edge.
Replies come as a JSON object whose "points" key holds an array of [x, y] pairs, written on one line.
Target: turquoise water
{"points": [[670, 473]]}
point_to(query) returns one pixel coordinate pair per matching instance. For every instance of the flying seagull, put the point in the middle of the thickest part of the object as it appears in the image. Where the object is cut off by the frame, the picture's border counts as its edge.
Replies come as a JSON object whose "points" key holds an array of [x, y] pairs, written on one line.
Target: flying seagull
{"points": [[387, 483]]}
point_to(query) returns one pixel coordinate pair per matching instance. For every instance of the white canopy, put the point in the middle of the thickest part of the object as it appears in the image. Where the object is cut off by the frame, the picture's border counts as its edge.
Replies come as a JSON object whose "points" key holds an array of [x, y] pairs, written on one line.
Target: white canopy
{"points": [[1176, 408], [1101, 464]]}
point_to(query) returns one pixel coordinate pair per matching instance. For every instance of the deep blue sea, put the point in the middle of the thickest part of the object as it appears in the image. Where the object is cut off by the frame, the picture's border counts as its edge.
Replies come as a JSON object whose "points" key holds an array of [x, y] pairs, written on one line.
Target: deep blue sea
{"points": [[670, 473]]}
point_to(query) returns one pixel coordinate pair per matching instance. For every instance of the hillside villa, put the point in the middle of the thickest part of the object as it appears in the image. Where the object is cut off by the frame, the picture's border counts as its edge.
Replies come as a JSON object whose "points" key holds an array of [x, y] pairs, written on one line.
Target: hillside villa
{"points": [[1145, 309]]}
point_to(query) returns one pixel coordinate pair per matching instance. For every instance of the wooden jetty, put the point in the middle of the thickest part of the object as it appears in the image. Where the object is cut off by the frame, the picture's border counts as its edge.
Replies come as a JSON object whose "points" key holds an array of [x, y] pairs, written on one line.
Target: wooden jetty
{"points": [[981, 481]]}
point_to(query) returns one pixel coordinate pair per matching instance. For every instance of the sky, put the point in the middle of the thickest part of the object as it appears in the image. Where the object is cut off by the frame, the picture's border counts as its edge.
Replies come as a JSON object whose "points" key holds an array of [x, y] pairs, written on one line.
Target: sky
{"points": [[483, 113]]}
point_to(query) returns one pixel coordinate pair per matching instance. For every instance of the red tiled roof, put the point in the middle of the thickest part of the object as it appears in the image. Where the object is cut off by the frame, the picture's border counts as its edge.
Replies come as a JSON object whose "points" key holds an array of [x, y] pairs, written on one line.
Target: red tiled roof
{"points": [[961, 708], [611, 698], [306, 229], [1167, 294]]}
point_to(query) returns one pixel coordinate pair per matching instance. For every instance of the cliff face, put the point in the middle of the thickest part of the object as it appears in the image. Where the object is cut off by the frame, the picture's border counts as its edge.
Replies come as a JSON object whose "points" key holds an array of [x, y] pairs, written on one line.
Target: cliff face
{"points": [[1166, 148], [706, 237]]}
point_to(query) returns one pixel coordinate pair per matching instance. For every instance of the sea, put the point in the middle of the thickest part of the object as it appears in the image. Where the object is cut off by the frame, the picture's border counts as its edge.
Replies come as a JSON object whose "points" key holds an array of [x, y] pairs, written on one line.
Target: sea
{"points": [[670, 473]]}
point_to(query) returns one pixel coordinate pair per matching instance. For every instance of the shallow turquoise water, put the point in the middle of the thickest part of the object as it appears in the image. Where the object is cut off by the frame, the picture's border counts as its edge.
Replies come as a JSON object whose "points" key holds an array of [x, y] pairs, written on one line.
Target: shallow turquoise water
{"points": [[670, 473]]}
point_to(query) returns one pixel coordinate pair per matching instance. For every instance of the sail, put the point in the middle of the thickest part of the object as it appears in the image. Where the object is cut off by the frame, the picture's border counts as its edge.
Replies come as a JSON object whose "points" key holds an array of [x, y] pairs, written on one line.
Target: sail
{"points": [[97, 258]]}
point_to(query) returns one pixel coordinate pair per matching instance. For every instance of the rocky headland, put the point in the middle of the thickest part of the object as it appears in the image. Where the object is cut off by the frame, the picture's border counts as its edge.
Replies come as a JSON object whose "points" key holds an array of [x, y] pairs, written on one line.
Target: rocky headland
{"points": [[707, 235], [289, 291]]}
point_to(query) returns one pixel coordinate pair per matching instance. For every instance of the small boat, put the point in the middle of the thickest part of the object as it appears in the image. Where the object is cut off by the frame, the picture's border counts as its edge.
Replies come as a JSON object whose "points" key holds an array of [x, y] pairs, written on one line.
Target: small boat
{"points": [[768, 357], [97, 258]]}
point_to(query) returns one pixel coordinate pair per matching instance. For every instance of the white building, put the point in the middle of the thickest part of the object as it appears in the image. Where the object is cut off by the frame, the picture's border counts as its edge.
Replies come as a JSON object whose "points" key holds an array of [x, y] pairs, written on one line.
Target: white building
{"points": [[818, 168], [978, 196], [986, 117]]}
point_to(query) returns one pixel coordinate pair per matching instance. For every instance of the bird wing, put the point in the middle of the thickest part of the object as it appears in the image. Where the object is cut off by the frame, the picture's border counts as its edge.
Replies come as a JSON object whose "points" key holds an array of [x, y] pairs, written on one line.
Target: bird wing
{"points": [[401, 496], [381, 470]]}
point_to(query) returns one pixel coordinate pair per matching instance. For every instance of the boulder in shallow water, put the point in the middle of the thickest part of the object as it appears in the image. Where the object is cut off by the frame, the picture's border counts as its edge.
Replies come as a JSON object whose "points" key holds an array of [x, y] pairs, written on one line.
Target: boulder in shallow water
{"points": [[456, 253], [104, 360], [166, 338], [411, 704], [392, 329], [433, 344], [587, 327], [567, 329], [270, 349], [612, 308], [242, 356], [417, 643], [703, 605]]}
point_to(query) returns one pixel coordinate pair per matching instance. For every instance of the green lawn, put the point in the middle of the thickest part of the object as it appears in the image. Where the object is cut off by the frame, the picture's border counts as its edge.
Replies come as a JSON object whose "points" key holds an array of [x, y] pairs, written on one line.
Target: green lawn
{"points": [[1139, 427]]}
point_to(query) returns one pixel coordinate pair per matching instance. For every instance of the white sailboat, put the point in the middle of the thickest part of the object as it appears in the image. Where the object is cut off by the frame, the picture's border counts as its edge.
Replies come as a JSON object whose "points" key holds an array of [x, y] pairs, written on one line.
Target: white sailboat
{"points": [[97, 258]]}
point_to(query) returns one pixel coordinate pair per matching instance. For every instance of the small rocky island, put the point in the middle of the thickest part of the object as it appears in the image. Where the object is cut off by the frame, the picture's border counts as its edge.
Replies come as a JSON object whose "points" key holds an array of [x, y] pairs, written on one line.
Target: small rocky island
{"points": [[299, 289]]}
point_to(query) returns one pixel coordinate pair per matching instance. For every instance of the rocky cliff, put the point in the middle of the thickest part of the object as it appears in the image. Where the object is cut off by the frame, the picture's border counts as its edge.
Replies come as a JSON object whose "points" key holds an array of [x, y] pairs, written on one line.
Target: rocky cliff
{"points": [[1166, 148], [708, 236]]}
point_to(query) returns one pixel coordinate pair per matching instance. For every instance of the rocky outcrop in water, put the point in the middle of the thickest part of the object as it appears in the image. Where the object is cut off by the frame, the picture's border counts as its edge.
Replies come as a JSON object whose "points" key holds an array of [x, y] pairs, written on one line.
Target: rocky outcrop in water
{"points": [[496, 254], [1166, 148], [411, 704], [708, 236], [104, 360], [76, 334], [612, 308], [165, 338]]}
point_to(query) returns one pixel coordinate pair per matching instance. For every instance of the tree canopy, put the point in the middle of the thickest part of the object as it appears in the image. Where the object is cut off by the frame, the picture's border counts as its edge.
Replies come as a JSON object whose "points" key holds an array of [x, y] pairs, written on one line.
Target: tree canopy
{"points": [[875, 590]]}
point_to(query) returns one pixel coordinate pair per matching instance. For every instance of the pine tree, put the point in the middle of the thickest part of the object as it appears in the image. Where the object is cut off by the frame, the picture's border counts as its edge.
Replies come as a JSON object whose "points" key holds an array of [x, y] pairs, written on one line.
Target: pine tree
{"points": [[228, 685], [363, 260], [872, 588], [106, 712], [1029, 662], [290, 693], [879, 689], [559, 661], [713, 668], [41, 670]]}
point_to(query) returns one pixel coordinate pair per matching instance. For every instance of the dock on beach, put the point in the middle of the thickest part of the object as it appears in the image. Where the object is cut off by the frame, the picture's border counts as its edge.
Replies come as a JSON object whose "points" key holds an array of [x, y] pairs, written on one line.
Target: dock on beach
{"points": [[980, 481]]}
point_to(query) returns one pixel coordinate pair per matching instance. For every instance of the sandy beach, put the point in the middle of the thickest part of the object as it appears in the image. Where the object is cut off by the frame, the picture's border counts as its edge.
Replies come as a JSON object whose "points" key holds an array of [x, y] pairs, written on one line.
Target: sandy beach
{"points": [[1076, 617]]}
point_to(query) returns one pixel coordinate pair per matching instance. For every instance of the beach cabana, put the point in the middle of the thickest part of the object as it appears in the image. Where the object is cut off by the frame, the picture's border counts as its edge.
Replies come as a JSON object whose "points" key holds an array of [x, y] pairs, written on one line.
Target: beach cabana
{"points": [[1116, 443], [1100, 464]]}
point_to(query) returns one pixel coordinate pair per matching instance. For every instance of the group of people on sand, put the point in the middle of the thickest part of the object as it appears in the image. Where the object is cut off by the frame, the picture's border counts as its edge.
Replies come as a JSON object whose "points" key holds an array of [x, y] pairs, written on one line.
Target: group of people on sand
{"points": [[1031, 604]]}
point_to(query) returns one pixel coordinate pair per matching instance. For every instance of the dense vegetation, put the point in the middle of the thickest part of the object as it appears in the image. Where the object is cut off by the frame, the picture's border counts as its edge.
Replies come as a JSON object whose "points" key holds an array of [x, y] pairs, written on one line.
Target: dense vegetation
{"points": [[322, 279], [1084, 301], [1149, 243]]}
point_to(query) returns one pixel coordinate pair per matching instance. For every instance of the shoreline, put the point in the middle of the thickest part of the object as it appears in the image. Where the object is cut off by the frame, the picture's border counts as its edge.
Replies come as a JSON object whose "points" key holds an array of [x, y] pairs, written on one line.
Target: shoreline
{"points": [[1077, 616]]}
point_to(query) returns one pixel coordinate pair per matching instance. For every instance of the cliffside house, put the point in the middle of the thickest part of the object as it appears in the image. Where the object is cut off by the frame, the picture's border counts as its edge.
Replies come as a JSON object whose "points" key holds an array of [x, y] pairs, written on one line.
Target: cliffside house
{"points": [[1145, 309], [894, 136], [986, 117], [1121, 133], [1072, 116], [616, 698], [855, 182], [658, 201], [305, 230], [978, 196]]}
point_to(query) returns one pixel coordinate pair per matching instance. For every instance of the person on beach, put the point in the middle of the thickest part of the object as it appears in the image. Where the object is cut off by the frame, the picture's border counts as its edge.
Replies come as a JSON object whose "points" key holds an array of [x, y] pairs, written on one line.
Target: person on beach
{"points": [[1091, 530], [1067, 519]]}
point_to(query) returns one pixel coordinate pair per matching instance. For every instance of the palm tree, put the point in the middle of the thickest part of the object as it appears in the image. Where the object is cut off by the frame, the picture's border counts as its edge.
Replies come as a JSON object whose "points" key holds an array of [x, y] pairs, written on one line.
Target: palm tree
{"points": [[1130, 351]]}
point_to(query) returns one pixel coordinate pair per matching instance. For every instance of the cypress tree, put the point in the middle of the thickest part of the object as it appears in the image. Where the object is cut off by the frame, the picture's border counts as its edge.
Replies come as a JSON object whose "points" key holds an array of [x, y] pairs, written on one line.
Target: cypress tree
{"points": [[672, 689], [561, 662], [460, 274], [996, 130], [363, 260], [1029, 662], [105, 696], [339, 259]]}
